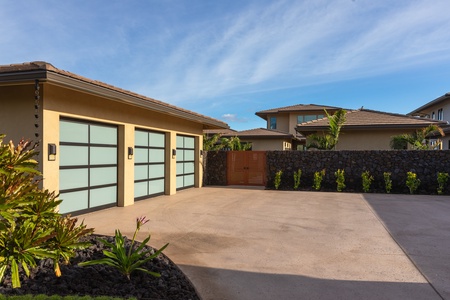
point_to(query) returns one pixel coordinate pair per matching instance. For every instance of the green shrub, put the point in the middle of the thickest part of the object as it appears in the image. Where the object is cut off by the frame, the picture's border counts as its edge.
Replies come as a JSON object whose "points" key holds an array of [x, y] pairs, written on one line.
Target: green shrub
{"points": [[442, 179], [367, 180], [127, 261], [387, 181], [297, 176], [318, 177], [340, 180], [412, 182], [277, 180], [30, 226]]}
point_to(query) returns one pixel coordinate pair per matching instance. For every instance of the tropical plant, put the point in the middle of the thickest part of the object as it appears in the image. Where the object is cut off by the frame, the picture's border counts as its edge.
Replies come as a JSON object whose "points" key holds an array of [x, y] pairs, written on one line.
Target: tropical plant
{"points": [[387, 182], [30, 226], [442, 179], [212, 143], [318, 177], [366, 181], [297, 175], [128, 260], [329, 140], [234, 144], [417, 140], [412, 182], [277, 180], [340, 180]]}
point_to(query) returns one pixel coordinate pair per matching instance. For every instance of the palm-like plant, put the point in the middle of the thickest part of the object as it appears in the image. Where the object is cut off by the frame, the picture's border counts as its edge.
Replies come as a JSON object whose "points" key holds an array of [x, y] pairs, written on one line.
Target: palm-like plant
{"points": [[418, 139], [329, 140], [212, 143]]}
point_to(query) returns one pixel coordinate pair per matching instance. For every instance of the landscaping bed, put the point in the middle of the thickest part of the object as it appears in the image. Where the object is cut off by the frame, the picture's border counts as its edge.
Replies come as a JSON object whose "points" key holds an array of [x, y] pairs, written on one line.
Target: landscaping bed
{"points": [[101, 280]]}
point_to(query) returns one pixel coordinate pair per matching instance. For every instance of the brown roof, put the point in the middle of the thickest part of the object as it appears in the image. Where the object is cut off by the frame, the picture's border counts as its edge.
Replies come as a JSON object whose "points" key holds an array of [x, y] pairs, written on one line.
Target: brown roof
{"points": [[365, 119], [219, 131], [420, 111], [262, 133], [295, 108], [47, 72]]}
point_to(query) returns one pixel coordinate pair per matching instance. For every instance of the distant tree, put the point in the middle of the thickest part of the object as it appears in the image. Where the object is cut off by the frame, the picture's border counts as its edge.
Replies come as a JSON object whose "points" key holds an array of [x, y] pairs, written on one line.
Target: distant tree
{"points": [[417, 140], [328, 140]]}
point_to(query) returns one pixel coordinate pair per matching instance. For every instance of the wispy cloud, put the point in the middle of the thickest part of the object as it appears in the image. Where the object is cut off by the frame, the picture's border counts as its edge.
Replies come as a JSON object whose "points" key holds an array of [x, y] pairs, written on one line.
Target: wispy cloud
{"points": [[233, 118], [291, 43]]}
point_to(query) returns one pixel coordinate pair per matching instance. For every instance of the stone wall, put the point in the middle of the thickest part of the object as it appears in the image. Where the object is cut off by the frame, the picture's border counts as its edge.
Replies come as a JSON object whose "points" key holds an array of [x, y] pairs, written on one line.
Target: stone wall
{"points": [[426, 164], [215, 168]]}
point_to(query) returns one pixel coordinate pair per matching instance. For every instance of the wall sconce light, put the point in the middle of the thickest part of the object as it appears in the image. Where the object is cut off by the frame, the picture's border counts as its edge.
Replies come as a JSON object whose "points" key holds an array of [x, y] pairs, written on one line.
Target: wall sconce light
{"points": [[201, 152], [51, 152], [130, 152], [174, 152]]}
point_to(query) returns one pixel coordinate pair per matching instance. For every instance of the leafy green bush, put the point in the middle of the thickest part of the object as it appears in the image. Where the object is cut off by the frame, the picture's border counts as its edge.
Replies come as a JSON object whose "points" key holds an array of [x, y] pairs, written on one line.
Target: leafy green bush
{"points": [[366, 181], [442, 179], [387, 181], [127, 261], [277, 180], [30, 226], [340, 180], [318, 177], [297, 175], [412, 182]]}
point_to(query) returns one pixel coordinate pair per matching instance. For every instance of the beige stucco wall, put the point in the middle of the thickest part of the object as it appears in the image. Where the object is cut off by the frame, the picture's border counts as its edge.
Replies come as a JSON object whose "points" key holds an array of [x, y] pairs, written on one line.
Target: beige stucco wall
{"points": [[282, 122], [367, 140], [60, 102], [269, 144], [445, 105]]}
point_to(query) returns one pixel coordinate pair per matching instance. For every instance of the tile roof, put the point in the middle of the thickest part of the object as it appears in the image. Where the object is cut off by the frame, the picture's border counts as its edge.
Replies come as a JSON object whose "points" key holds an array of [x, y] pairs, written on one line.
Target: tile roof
{"points": [[420, 111], [9, 72], [365, 118], [261, 133], [295, 108]]}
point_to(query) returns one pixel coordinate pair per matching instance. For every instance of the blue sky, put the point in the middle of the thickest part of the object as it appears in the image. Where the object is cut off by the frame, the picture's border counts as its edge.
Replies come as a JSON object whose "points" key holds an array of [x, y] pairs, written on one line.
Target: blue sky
{"points": [[228, 59]]}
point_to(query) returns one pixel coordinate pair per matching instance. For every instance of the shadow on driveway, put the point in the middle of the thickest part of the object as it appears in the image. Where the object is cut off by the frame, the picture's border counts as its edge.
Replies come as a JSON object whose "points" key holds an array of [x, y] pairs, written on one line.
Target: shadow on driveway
{"points": [[421, 227], [252, 285]]}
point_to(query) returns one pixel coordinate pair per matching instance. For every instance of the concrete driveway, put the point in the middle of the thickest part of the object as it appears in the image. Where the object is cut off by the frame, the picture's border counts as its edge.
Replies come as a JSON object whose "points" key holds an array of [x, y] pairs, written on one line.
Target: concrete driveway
{"points": [[246, 243]]}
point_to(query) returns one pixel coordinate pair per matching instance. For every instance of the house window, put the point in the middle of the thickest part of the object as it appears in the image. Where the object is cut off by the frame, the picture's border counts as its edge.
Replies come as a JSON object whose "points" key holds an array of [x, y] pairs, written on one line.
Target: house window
{"points": [[307, 118], [433, 115], [440, 114], [273, 123]]}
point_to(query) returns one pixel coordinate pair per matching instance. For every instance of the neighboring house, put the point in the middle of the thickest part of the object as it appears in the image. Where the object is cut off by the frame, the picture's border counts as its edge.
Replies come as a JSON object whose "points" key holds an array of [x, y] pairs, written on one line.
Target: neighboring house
{"points": [[285, 119], [263, 139], [101, 146], [437, 109], [368, 129]]}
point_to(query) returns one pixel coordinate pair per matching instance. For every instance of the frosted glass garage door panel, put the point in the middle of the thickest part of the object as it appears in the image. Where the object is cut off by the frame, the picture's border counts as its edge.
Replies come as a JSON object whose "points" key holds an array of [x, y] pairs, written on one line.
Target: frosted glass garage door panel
{"points": [[73, 201], [156, 139], [103, 196], [103, 156], [156, 155], [101, 176], [180, 182], [141, 138], [140, 189], [140, 172], [180, 142], [188, 180], [180, 168], [180, 155], [73, 178], [188, 154], [73, 155], [189, 142], [103, 135], [140, 155], [188, 168], [155, 171], [156, 186], [73, 132]]}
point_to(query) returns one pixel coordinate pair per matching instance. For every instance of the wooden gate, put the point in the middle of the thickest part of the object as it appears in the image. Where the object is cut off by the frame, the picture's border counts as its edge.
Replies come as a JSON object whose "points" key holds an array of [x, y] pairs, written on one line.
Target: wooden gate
{"points": [[246, 168]]}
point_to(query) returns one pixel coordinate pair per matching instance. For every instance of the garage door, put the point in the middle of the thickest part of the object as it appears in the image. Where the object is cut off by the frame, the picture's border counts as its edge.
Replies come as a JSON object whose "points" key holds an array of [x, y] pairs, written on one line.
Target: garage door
{"points": [[149, 164], [88, 166], [185, 161]]}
